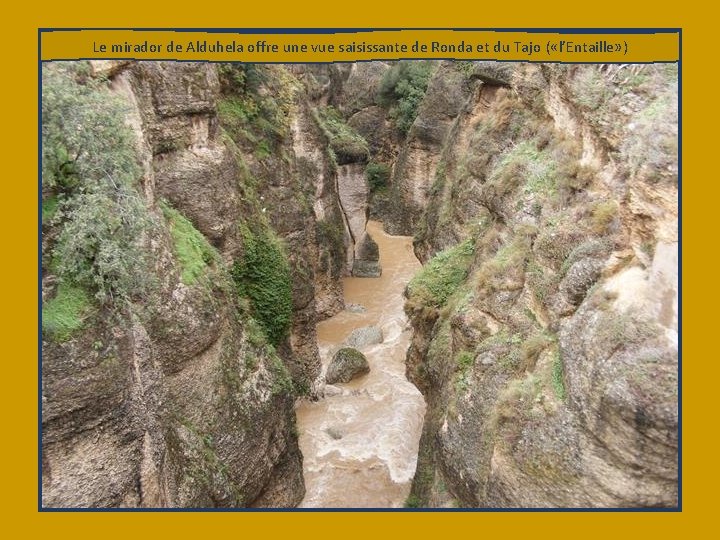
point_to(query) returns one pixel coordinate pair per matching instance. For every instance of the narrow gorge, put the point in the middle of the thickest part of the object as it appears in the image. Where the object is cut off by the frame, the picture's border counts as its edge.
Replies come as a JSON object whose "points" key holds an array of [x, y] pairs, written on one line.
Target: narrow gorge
{"points": [[496, 244]]}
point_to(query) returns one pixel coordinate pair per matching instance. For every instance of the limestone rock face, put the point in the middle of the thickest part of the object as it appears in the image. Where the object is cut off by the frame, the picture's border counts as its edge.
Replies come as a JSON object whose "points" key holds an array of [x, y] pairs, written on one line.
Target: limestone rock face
{"points": [[366, 263], [357, 86], [551, 375], [353, 191], [315, 171], [172, 404], [346, 365], [372, 123], [191, 167], [493, 73], [418, 159]]}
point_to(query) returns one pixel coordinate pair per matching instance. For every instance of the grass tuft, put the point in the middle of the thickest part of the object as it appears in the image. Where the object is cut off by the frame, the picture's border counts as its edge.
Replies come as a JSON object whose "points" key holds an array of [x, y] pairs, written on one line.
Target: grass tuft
{"points": [[442, 275], [65, 313]]}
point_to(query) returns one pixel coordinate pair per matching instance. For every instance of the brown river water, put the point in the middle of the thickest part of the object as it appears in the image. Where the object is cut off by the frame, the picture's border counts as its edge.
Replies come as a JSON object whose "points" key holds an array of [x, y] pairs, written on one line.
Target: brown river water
{"points": [[360, 442]]}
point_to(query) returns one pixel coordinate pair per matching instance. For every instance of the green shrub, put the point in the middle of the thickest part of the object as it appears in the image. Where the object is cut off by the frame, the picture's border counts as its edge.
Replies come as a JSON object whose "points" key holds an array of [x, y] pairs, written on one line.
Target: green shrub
{"points": [[282, 382], [255, 105], [413, 501], [403, 88], [240, 78], [524, 163], [509, 260], [191, 248], [235, 113], [590, 89], [514, 405], [89, 158], [464, 361], [49, 208], [263, 276], [64, 313], [346, 143], [543, 282], [603, 216], [377, 175], [85, 138], [100, 247], [442, 275], [262, 150]]}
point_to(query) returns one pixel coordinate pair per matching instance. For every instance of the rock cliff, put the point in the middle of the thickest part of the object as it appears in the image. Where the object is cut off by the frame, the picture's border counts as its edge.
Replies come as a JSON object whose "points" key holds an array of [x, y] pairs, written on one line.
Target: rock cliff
{"points": [[174, 395], [546, 315]]}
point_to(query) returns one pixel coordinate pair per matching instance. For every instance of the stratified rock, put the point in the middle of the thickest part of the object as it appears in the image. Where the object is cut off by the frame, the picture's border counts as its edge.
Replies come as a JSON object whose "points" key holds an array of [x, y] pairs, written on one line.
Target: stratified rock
{"points": [[347, 364], [551, 377], [156, 411], [359, 88], [494, 73], [579, 279], [419, 157]]}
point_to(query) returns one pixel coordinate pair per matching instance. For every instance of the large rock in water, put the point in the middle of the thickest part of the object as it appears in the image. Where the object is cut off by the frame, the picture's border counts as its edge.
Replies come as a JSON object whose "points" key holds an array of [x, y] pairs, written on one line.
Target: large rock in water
{"points": [[361, 337], [367, 256], [347, 364]]}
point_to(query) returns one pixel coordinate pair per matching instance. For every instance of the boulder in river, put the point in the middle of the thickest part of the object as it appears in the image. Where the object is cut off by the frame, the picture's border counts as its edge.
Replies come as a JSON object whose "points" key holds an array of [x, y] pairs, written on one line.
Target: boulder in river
{"points": [[347, 364], [367, 257], [361, 337]]}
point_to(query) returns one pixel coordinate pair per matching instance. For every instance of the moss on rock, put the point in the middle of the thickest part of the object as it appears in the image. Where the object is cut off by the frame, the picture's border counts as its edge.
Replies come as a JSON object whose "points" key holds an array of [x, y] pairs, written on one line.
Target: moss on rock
{"points": [[191, 248], [440, 277], [347, 364]]}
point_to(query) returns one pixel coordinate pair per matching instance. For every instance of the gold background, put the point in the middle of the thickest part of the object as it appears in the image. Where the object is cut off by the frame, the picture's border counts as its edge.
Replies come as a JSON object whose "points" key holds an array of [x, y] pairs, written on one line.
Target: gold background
{"points": [[19, 41]]}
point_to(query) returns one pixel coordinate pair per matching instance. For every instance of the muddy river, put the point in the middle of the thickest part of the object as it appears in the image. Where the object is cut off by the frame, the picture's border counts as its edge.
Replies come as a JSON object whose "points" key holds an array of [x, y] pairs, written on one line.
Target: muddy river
{"points": [[360, 442]]}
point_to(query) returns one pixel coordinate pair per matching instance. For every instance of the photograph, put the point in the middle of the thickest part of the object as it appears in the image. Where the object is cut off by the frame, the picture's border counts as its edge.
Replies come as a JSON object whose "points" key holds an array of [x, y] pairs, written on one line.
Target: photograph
{"points": [[418, 284]]}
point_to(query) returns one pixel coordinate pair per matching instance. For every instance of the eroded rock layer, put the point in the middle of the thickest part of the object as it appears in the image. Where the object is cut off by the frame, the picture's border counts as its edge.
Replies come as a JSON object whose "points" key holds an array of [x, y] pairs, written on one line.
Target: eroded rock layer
{"points": [[546, 316]]}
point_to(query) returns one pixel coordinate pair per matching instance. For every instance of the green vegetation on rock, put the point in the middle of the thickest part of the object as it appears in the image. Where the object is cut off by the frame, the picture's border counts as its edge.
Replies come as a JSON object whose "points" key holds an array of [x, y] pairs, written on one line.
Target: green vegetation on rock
{"points": [[377, 175], [64, 313], [256, 105], [89, 158], [346, 143], [413, 501], [558, 382], [282, 382], [464, 361], [330, 235], [49, 208], [603, 215], [442, 275], [402, 90], [263, 276], [346, 364], [85, 138], [191, 248]]}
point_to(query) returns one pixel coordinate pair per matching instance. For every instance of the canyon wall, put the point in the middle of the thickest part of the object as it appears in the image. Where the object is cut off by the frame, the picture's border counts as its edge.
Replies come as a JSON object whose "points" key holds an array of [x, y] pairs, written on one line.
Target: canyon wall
{"points": [[175, 396], [546, 316]]}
